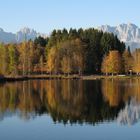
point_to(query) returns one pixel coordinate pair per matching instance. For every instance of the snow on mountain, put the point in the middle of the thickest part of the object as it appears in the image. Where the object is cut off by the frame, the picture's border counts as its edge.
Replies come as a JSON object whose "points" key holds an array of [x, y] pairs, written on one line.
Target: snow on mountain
{"points": [[130, 114], [21, 35], [128, 33]]}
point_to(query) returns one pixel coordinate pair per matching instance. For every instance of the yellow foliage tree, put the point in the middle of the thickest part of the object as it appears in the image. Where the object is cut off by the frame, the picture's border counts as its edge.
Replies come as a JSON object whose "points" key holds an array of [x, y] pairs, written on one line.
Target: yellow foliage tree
{"points": [[136, 65], [112, 63], [127, 61]]}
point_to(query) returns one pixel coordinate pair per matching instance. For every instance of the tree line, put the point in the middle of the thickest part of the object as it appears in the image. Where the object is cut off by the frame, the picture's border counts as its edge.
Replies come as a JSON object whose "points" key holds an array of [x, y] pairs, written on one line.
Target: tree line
{"points": [[79, 51]]}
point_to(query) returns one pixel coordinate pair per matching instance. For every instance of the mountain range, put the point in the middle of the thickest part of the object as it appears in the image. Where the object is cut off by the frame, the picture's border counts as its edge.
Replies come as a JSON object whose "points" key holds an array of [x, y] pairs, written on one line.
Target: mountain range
{"points": [[128, 33], [21, 35]]}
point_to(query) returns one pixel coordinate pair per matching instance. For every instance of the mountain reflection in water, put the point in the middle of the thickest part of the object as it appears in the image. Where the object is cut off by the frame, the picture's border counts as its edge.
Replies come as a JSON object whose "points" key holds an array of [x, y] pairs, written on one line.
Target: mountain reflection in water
{"points": [[72, 101]]}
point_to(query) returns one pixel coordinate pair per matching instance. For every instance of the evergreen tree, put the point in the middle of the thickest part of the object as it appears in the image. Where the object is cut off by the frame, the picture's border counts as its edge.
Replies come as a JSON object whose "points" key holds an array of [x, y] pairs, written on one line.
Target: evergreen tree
{"points": [[40, 41]]}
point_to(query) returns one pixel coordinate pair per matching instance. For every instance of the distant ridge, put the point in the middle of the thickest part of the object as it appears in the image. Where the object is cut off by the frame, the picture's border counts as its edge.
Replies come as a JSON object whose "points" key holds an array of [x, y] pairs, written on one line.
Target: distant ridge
{"points": [[7, 37]]}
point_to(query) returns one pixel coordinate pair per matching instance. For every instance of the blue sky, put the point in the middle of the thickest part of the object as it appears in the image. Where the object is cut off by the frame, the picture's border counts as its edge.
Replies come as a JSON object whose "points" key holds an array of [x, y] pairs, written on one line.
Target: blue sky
{"points": [[45, 15]]}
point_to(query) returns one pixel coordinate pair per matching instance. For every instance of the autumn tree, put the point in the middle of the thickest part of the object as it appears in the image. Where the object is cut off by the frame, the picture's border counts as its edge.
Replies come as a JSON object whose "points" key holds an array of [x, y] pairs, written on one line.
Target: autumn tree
{"points": [[127, 61], [41, 64], [23, 57], [66, 54], [78, 56], [51, 60], [112, 63], [4, 59], [13, 59], [105, 65], [136, 62], [31, 57]]}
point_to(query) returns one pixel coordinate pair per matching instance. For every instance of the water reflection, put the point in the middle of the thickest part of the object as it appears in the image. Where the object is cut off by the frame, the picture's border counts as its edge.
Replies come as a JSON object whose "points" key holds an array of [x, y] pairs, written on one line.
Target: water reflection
{"points": [[130, 114], [72, 101]]}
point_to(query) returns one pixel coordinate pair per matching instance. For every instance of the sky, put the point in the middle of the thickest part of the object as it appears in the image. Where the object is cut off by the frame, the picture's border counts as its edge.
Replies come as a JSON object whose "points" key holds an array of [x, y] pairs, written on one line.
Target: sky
{"points": [[46, 15]]}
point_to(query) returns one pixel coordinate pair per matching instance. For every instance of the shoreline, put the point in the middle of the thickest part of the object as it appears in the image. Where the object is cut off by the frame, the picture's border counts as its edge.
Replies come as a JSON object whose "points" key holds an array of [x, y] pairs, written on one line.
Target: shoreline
{"points": [[72, 77], [99, 77], [36, 77]]}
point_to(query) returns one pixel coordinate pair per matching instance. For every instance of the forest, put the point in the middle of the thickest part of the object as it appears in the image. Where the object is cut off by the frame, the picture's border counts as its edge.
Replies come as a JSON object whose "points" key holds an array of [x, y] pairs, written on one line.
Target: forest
{"points": [[66, 52]]}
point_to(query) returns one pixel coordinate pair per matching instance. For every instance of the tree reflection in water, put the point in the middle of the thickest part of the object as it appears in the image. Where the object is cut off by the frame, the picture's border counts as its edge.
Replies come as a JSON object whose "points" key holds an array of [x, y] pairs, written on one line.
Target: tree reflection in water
{"points": [[69, 101]]}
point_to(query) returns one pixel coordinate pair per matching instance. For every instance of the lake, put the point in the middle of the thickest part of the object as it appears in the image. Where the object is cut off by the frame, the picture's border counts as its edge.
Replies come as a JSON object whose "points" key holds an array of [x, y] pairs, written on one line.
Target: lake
{"points": [[106, 109]]}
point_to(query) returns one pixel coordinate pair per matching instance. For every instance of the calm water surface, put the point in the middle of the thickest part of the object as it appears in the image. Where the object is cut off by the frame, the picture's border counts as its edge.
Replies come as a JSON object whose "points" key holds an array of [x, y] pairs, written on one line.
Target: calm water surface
{"points": [[70, 110]]}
